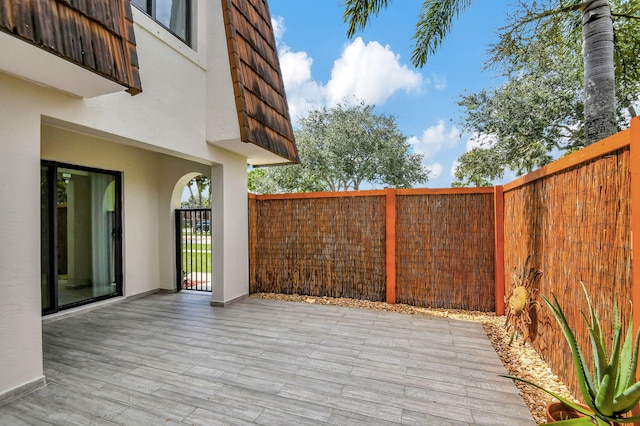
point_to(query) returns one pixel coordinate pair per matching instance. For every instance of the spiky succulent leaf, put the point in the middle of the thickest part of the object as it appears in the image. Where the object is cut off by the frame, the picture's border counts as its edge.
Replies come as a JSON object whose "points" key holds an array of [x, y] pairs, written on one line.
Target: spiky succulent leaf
{"points": [[628, 360], [597, 338], [604, 397], [607, 389], [579, 421], [599, 353], [585, 382], [627, 400], [567, 402]]}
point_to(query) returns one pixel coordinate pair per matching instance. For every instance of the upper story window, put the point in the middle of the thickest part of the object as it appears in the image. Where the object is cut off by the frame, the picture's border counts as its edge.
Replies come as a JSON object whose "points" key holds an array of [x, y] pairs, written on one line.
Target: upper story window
{"points": [[175, 15]]}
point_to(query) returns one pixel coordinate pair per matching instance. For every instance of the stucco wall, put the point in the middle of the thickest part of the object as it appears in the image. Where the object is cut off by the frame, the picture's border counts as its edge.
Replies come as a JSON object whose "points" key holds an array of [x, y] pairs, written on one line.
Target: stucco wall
{"points": [[230, 231], [20, 306], [156, 139], [140, 197]]}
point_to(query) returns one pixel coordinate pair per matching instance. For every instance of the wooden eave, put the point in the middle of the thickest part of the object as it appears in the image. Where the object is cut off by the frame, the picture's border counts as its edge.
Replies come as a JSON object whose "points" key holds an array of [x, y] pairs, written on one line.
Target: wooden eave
{"points": [[263, 112], [97, 35]]}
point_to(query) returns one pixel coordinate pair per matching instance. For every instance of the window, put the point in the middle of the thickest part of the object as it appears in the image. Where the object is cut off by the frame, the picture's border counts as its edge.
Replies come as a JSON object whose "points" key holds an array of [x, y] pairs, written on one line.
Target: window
{"points": [[175, 15]]}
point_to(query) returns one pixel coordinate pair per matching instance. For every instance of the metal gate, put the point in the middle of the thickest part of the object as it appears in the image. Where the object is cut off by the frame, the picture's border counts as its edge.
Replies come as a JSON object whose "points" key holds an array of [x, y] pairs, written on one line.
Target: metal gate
{"points": [[193, 249]]}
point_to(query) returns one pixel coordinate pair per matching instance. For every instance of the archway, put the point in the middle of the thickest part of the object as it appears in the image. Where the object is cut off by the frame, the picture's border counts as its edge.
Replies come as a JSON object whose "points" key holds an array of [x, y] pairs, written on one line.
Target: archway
{"points": [[193, 230]]}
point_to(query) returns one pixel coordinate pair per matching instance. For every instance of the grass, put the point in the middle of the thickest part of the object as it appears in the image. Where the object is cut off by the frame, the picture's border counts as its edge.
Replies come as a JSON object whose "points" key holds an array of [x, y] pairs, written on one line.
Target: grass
{"points": [[196, 262], [195, 246]]}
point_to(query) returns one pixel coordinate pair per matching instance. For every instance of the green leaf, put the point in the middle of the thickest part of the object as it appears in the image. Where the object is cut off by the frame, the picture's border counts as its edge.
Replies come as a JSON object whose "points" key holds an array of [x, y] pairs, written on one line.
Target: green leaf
{"points": [[628, 359], [597, 339], [578, 421], [604, 397], [599, 353], [628, 399], [559, 397], [585, 382]]}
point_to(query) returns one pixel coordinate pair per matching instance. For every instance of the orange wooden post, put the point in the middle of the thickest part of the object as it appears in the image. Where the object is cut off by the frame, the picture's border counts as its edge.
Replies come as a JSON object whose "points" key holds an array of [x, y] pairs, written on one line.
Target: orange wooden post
{"points": [[634, 166], [634, 160], [498, 202], [390, 227]]}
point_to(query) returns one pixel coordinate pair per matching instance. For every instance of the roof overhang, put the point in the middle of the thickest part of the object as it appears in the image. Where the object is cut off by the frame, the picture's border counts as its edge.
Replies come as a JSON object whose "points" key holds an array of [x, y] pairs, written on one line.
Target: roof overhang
{"points": [[256, 155], [29, 62]]}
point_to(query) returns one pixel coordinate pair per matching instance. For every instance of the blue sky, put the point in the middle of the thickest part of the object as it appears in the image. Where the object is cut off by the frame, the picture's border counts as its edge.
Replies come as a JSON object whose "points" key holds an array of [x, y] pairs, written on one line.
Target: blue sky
{"points": [[321, 66]]}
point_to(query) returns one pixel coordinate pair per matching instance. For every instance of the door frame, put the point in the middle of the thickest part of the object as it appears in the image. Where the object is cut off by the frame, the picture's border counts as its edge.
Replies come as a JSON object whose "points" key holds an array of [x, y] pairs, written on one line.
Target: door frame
{"points": [[52, 220]]}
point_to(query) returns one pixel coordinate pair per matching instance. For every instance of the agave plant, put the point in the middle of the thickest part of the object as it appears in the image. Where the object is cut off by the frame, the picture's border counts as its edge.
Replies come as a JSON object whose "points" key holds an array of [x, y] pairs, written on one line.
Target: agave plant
{"points": [[610, 389]]}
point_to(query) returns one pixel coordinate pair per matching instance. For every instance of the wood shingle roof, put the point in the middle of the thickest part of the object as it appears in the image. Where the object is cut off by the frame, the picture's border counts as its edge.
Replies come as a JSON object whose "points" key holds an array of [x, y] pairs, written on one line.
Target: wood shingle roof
{"points": [[263, 112], [94, 34]]}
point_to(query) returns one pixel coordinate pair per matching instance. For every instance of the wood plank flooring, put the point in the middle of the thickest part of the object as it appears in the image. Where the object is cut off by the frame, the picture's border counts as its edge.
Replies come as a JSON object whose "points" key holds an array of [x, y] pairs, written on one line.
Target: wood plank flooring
{"points": [[171, 359]]}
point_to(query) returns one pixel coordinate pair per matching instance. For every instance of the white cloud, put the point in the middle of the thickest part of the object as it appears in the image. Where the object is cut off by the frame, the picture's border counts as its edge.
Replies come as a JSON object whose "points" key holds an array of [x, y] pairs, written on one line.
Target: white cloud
{"points": [[371, 73], [277, 22], [436, 138], [435, 169], [439, 81], [477, 140], [454, 167], [303, 93]]}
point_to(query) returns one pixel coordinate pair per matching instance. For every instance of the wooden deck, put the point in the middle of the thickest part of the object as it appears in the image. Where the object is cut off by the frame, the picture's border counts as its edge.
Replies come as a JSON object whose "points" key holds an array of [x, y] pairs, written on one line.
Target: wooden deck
{"points": [[173, 359]]}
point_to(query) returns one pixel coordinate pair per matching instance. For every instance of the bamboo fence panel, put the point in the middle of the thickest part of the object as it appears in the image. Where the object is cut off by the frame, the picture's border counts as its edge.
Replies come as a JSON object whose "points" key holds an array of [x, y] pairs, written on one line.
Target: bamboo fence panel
{"points": [[576, 224], [319, 246], [445, 251]]}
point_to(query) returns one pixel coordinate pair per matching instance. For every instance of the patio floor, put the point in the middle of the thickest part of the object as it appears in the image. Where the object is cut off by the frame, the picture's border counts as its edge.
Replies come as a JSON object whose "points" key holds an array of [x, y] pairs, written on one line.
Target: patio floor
{"points": [[173, 359]]}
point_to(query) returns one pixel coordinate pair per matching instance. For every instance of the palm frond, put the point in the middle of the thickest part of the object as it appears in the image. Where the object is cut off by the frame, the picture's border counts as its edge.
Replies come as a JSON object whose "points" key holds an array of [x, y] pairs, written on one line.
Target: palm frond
{"points": [[434, 23], [358, 12]]}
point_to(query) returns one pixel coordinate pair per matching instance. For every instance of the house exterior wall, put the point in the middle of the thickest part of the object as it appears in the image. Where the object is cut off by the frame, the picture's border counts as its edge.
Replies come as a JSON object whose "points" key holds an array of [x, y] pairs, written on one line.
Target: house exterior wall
{"points": [[158, 140], [20, 317]]}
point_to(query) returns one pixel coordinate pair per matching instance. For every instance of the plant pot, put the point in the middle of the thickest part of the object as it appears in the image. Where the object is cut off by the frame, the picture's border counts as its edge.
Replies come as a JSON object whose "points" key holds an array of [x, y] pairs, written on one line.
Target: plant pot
{"points": [[557, 411]]}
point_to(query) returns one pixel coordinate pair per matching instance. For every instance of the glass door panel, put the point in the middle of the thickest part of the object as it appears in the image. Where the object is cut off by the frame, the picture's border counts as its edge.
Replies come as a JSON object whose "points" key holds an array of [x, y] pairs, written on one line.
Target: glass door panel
{"points": [[84, 234]]}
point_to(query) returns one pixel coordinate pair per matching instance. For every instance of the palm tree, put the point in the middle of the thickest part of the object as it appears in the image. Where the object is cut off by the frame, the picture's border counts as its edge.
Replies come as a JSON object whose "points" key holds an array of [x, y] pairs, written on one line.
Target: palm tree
{"points": [[599, 73], [436, 18]]}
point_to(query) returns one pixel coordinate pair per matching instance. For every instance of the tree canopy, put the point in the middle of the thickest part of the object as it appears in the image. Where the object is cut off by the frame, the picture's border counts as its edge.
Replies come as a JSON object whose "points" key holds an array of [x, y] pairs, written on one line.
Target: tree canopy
{"points": [[202, 198], [537, 113], [340, 149], [571, 69]]}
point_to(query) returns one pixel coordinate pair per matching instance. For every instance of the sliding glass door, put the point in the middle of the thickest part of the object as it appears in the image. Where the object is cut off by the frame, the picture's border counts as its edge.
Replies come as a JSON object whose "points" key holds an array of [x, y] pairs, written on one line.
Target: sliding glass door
{"points": [[81, 235]]}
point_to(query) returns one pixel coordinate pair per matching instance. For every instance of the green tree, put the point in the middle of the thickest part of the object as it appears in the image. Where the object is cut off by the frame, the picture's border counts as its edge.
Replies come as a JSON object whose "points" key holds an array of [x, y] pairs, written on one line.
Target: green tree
{"points": [[198, 200], [595, 25], [478, 167], [340, 149], [538, 111]]}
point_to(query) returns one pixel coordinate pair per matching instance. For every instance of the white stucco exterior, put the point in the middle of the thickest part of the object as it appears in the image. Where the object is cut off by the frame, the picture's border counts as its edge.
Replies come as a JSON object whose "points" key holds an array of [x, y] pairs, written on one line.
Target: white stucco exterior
{"points": [[157, 140]]}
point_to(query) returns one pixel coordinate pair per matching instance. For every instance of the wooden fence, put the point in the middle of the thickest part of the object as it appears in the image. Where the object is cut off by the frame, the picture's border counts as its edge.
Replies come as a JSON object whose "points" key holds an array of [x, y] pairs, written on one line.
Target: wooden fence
{"points": [[458, 248], [430, 248], [320, 246], [575, 218]]}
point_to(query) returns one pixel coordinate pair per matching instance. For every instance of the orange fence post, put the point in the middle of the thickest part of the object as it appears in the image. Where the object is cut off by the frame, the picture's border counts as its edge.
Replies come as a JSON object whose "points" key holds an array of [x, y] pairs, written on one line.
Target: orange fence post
{"points": [[634, 160], [634, 166], [391, 244], [498, 202]]}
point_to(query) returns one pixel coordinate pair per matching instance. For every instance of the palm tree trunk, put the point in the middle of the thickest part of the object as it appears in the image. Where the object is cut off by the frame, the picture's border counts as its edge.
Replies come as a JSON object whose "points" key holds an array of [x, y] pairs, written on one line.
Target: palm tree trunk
{"points": [[599, 76]]}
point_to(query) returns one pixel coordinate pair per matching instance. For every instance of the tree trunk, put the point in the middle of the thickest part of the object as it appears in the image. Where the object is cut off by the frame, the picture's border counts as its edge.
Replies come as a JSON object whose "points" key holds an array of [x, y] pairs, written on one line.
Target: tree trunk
{"points": [[599, 76]]}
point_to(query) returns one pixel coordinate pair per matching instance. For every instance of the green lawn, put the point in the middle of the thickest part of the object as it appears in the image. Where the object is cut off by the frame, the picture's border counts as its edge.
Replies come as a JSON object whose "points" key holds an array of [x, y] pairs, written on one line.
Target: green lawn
{"points": [[196, 247], [196, 262]]}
